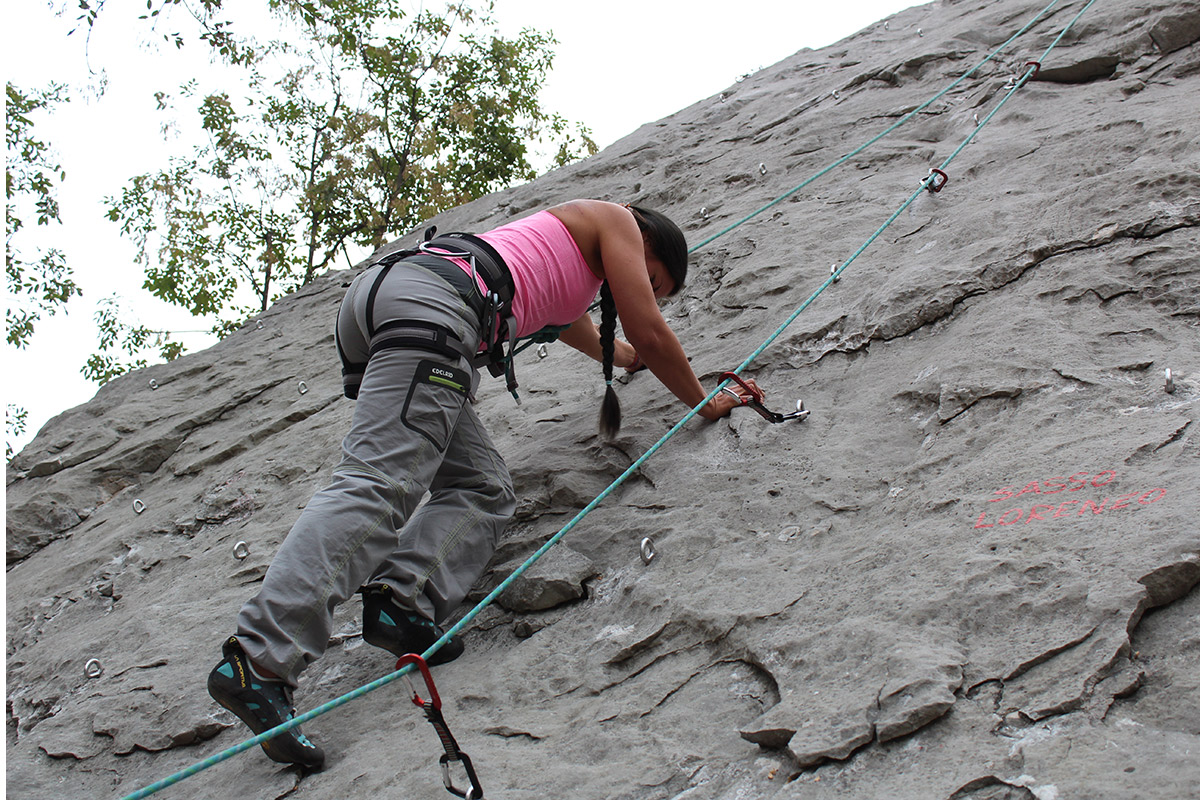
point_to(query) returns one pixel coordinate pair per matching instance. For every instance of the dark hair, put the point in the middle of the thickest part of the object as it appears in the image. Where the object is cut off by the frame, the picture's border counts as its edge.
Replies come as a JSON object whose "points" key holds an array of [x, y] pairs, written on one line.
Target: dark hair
{"points": [[667, 242], [669, 245]]}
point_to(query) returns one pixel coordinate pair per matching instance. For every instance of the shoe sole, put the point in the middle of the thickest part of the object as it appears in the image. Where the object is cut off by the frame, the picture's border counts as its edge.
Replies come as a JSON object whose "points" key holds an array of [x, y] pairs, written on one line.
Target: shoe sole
{"points": [[448, 652], [235, 701]]}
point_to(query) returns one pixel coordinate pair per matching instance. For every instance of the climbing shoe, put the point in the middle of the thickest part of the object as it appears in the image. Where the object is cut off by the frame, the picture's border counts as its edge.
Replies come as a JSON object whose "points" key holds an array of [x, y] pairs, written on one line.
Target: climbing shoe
{"points": [[391, 626], [262, 704]]}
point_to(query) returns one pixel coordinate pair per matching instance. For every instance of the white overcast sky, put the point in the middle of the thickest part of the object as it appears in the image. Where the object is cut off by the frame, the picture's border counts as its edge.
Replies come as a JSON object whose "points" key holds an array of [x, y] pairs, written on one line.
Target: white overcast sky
{"points": [[619, 64]]}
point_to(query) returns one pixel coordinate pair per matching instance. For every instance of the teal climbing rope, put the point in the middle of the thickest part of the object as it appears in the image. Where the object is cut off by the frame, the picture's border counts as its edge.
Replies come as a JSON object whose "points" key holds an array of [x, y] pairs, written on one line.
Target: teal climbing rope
{"points": [[930, 182], [536, 339], [822, 172]]}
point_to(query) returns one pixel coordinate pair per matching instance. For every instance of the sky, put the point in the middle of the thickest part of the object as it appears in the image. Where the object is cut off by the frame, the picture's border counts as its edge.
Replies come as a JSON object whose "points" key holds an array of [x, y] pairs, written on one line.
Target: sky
{"points": [[619, 64]]}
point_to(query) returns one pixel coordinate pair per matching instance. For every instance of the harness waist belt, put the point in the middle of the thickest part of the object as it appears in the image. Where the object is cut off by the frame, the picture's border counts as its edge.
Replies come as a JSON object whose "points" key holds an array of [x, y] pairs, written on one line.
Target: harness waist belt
{"points": [[489, 263]]}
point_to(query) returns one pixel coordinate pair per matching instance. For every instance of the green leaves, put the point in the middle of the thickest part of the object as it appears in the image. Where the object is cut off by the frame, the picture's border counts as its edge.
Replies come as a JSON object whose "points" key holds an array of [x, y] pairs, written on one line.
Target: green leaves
{"points": [[43, 285], [357, 120], [119, 336], [14, 425]]}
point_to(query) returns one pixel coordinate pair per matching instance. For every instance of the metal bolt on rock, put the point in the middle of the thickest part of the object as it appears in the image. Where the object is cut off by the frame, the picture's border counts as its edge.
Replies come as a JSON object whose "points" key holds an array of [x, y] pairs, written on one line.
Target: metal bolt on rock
{"points": [[258, 325], [833, 272], [648, 551], [93, 668], [920, 32], [542, 351], [153, 384], [303, 387], [138, 506], [704, 213], [1170, 384], [762, 169], [241, 551]]}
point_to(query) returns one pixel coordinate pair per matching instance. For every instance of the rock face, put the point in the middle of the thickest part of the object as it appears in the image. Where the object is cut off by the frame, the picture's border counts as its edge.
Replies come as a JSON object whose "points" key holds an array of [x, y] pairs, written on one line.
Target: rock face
{"points": [[970, 573]]}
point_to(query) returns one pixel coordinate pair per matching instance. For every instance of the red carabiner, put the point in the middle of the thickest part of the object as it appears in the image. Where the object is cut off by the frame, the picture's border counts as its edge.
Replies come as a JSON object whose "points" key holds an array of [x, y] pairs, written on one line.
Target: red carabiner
{"points": [[754, 399], [434, 702], [939, 180], [755, 393]]}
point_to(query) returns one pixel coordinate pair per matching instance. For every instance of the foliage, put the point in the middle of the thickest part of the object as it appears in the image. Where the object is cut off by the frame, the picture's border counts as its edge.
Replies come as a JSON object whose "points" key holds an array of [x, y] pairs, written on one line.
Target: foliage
{"points": [[120, 336], [14, 426], [360, 120], [215, 32], [43, 287], [39, 287]]}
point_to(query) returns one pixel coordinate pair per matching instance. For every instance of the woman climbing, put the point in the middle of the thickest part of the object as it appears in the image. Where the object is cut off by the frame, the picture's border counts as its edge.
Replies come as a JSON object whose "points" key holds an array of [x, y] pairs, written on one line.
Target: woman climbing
{"points": [[410, 332]]}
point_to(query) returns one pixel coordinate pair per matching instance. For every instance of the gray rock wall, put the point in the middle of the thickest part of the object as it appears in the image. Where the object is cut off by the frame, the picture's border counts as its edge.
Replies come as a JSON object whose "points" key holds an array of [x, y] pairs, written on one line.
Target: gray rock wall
{"points": [[969, 574]]}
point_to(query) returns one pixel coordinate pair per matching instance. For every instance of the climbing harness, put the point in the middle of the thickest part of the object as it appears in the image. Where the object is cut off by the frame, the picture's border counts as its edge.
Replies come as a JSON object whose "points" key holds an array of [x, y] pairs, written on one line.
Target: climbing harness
{"points": [[754, 397], [499, 328], [433, 712], [493, 307], [654, 448]]}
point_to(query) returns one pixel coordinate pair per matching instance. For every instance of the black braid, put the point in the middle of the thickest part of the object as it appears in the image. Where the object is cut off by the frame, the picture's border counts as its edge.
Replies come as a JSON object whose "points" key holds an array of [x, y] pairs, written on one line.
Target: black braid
{"points": [[610, 409]]}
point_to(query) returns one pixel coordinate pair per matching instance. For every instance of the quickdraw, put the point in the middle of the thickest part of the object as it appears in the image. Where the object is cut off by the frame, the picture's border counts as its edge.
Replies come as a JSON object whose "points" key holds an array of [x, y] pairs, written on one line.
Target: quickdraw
{"points": [[433, 712], [754, 399], [936, 180]]}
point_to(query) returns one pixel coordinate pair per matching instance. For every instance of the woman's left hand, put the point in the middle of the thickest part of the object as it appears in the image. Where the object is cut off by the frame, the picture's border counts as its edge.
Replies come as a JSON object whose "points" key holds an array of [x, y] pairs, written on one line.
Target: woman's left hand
{"points": [[636, 365]]}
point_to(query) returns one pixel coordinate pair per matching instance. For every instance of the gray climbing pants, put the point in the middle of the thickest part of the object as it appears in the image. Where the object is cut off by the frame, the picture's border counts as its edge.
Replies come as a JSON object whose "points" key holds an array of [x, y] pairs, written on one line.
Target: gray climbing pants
{"points": [[413, 431]]}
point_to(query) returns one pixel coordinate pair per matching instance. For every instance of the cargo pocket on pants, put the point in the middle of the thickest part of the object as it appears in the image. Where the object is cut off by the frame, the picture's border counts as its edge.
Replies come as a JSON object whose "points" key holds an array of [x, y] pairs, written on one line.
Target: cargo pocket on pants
{"points": [[434, 401]]}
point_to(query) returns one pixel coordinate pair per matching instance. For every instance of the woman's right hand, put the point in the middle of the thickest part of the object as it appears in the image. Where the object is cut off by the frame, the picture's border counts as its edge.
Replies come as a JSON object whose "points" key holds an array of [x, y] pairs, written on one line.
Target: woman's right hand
{"points": [[724, 402]]}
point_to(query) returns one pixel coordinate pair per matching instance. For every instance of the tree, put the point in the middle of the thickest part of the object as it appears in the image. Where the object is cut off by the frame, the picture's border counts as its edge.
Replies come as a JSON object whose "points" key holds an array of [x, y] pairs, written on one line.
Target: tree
{"points": [[40, 287], [123, 345], [378, 119]]}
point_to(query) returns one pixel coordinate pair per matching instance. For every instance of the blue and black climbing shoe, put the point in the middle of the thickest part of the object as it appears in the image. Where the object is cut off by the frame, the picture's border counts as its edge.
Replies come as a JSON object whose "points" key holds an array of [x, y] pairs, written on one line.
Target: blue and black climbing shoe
{"points": [[262, 704], [391, 626]]}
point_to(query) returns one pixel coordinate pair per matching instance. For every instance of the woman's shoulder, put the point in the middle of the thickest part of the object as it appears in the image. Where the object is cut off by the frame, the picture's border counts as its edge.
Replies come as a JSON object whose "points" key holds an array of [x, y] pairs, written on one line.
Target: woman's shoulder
{"points": [[587, 219], [593, 212]]}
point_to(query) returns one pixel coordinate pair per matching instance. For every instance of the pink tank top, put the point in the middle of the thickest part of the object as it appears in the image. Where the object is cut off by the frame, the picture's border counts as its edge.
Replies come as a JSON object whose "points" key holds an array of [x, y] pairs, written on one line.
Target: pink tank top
{"points": [[553, 283]]}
